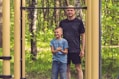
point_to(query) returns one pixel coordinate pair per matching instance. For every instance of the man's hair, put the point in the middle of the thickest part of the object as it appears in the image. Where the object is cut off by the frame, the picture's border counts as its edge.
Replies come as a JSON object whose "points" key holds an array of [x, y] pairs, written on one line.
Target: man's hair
{"points": [[70, 7]]}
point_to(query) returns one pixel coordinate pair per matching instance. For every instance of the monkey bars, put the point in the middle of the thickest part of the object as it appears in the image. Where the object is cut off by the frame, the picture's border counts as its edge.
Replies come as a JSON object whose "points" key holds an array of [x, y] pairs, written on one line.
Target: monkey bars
{"points": [[92, 55]]}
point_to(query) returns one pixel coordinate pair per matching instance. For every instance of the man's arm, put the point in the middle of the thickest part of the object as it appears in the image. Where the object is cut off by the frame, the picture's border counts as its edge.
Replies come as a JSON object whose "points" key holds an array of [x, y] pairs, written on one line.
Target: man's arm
{"points": [[83, 44]]}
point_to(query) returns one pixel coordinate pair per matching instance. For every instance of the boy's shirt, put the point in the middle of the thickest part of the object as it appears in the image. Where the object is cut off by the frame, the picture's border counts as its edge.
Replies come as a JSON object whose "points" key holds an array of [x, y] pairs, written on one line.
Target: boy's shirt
{"points": [[59, 56]]}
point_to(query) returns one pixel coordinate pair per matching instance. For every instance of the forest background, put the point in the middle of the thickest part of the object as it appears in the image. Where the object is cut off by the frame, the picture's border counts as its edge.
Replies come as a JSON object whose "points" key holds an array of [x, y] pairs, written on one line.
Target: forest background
{"points": [[39, 31]]}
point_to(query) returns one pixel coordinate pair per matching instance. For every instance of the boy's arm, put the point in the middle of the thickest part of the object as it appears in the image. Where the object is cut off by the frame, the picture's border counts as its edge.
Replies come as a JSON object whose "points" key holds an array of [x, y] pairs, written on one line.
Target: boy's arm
{"points": [[53, 50], [65, 51]]}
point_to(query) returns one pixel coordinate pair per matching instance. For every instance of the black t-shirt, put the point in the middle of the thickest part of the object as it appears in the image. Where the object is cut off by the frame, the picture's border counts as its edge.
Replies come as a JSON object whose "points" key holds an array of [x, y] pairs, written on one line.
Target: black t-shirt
{"points": [[71, 32]]}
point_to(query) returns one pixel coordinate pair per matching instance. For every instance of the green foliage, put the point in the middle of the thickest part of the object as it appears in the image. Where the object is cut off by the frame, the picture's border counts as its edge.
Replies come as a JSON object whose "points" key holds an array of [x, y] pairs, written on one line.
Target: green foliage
{"points": [[110, 39], [110, 17], [40, 66], [110, 65]]}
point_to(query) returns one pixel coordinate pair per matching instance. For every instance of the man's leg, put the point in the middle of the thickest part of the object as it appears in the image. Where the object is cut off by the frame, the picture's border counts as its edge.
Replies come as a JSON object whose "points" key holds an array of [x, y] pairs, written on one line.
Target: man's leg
{"points": [[79, 71], [68, 72]]}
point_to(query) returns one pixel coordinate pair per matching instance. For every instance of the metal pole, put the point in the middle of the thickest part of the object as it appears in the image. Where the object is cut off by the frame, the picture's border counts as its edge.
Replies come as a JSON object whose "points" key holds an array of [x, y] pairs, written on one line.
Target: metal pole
{"points": [[95, 39], [23, 41], [16, 39], [88, 63], [92, 50], [21, 17], [100, 58], [6, 36], [22, 23], [53, 7], [1, 25]]}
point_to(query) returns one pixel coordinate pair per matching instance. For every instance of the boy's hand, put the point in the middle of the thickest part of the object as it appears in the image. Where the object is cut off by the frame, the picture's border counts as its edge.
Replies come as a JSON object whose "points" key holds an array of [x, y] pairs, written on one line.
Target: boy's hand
{"points": [[59, 48]]}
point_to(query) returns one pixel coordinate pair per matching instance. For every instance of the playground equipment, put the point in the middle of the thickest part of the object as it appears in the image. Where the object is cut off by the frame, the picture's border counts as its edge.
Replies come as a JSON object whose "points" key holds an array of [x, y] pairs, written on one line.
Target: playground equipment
{"points": [[6, 39], [92, 68]]}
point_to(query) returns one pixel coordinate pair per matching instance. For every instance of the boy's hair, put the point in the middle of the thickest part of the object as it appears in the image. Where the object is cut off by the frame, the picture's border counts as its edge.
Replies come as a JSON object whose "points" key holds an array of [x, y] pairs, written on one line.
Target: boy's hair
{"points": [[58, 28]]}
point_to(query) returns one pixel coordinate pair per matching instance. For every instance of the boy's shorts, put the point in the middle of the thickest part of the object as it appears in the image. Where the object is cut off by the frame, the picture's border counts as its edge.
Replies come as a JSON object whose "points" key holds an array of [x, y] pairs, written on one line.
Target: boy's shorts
{"points": [[74, 58]]}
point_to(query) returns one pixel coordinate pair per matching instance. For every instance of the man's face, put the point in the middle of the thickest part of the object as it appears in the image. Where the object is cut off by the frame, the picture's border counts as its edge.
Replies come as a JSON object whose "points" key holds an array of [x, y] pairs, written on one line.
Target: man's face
{"points": [[70, 12]]}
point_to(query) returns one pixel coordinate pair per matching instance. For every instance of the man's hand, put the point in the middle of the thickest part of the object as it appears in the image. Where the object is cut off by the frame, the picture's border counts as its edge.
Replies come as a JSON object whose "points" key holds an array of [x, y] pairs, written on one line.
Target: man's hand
{"points": [[81, 54]]}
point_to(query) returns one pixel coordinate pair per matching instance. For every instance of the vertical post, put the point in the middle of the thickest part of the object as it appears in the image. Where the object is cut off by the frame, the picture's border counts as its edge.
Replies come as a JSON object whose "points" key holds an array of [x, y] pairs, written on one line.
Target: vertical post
{"points": [[0, 24], [88, 64], [92, 39], [16, 39], [95, 39], [6, 36], [23, 40]]}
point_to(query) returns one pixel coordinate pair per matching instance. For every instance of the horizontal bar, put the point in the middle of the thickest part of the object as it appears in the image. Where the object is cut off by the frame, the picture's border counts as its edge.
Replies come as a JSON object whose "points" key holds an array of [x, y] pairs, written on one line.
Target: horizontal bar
{"points": [[5, 76], [116, 46], [5, 57], [23, 78], [53, 7]]}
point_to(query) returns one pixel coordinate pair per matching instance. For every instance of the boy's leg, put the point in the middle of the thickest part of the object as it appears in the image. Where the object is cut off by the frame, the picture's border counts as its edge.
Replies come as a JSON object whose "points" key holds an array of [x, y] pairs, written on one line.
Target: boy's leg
{"points": [[54, 70], [63, 71], [69, 59]]}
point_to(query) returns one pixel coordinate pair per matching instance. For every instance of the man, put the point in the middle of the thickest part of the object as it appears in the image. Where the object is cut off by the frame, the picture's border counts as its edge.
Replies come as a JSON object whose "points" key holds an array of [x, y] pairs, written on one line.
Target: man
{"points": [[73, 29]]}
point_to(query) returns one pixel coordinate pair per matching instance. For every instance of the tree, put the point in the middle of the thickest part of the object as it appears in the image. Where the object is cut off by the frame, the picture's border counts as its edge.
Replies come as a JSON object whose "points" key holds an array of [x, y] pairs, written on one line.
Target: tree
{"points": [[32, 14], [56, 12], [110, 38], [79, 12]]}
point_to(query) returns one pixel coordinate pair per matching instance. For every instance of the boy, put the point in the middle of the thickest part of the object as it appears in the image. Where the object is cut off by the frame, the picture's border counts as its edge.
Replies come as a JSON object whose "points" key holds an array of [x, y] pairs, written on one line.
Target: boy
{"points": [[59, 49]]}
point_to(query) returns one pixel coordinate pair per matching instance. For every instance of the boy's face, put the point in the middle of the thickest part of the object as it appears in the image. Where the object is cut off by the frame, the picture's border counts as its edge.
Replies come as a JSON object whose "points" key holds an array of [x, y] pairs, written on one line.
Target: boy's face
{"points": [[58, 33]]}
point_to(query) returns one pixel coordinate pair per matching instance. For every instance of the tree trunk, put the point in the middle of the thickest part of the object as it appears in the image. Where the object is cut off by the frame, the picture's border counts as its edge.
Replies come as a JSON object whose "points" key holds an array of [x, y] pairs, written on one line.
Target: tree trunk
{"points": [[66, 2], [32, 23], [45, 15], [56, 12], [79, 11]]}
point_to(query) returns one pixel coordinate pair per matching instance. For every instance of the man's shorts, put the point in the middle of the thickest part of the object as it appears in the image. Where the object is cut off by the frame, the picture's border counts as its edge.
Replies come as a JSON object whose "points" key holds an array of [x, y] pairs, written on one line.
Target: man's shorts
{"points": [[74, 58]]}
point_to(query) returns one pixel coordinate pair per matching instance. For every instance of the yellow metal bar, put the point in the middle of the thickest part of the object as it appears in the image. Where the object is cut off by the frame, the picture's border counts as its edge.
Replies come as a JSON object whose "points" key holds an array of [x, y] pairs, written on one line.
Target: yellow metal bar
{"points": [[88, 54], [6, 36], [16, 39], [95, 39], [23, 40], [1, 25], [92, 40]]}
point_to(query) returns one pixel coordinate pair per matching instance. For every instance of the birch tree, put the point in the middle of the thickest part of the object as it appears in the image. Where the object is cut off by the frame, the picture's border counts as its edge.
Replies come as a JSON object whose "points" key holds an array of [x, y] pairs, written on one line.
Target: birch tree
{"points": [[56, 12], [79, 11], [32, 13]]}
